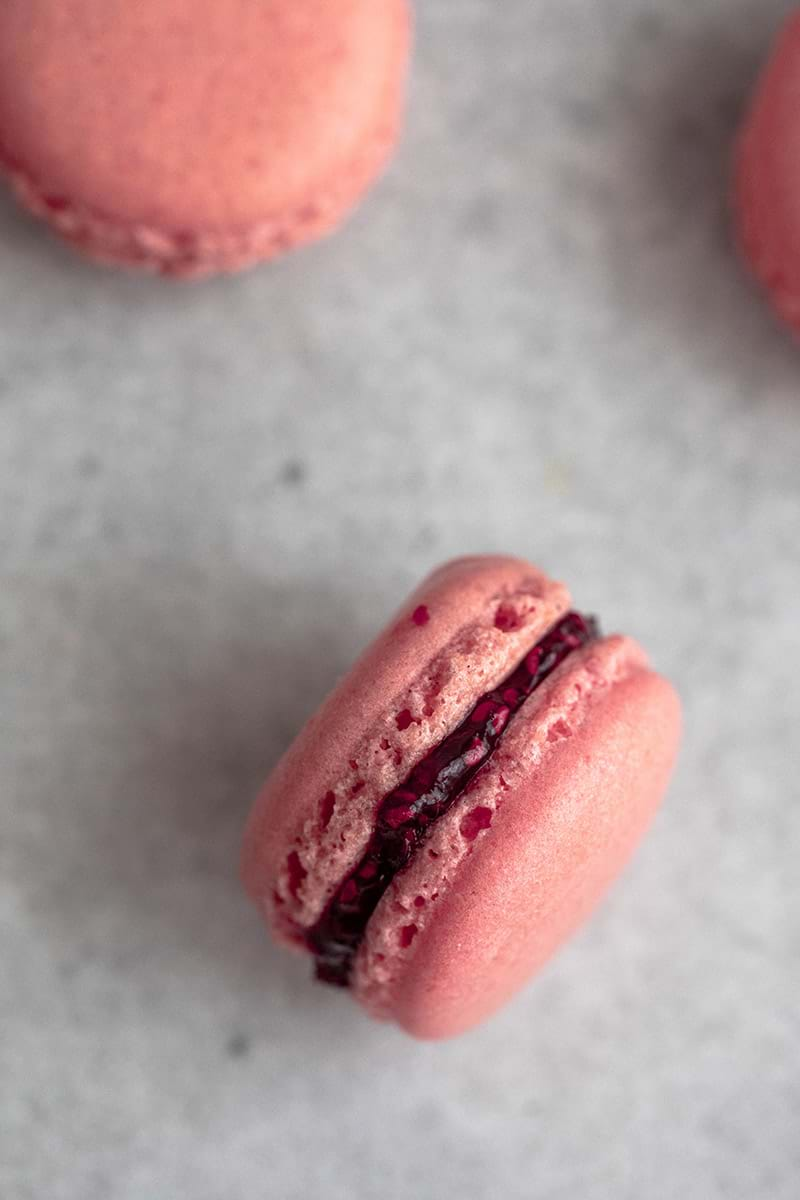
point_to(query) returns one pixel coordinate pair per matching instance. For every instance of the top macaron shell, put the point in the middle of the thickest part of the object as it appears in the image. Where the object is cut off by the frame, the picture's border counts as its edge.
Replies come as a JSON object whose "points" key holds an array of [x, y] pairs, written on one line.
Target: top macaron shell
{"points": [[459, 635], [190, 135], [768, 177]]}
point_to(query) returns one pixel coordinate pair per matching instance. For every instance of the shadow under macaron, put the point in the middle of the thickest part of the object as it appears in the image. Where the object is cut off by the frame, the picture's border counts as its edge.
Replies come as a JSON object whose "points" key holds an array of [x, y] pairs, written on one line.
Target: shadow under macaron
{"points": [[182, 690]]}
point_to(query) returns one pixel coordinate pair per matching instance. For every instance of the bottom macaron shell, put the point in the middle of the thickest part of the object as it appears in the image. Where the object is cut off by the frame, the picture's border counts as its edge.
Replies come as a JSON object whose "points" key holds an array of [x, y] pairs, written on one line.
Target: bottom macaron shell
{"points": [[560, 838]]}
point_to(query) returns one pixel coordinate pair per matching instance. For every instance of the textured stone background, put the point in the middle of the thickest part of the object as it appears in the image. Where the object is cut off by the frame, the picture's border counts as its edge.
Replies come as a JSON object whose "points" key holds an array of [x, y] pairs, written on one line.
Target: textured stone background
{"points": [[534, 337]]}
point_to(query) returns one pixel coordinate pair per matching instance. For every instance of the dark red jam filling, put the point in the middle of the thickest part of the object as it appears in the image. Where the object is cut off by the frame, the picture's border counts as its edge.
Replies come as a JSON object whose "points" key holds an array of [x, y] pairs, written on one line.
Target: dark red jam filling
{"points": [[406, 814]]}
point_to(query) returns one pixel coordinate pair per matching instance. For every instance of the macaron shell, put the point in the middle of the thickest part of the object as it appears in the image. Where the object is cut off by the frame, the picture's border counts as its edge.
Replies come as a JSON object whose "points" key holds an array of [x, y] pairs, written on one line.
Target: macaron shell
{"points": [[457, 636], [184, 135], [768, 177], [528, 850]]}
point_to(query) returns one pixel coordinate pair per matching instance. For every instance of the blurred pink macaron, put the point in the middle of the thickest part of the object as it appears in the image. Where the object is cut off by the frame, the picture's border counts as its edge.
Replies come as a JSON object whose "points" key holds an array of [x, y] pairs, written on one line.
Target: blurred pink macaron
{"points": [[189, 137], [463, 798], [767, 184]]}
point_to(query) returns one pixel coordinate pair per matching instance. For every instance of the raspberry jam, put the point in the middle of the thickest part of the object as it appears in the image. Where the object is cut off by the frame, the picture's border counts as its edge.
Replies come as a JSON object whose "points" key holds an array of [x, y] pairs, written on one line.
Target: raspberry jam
{"points": [[405, 816]]}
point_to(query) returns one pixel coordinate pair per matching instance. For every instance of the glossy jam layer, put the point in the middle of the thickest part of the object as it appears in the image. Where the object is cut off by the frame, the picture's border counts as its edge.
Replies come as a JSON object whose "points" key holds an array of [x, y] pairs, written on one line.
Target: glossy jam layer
{"points": [[405, 816]]}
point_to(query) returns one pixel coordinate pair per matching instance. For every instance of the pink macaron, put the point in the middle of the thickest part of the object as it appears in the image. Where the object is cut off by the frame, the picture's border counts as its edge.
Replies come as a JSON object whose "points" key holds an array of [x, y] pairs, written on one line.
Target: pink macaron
{"points": [[463, 798], [767, 185], [189, 137]]}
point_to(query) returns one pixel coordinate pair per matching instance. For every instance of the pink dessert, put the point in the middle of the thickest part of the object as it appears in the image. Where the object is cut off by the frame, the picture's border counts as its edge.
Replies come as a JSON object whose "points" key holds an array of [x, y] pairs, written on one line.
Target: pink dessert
{"points": [[463, 798], [184, 137], [768, 177]]}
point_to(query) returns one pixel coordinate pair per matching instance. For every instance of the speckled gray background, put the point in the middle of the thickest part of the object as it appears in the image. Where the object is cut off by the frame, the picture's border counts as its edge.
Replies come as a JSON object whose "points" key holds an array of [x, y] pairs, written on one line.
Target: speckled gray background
{"points": [[534, 337]]}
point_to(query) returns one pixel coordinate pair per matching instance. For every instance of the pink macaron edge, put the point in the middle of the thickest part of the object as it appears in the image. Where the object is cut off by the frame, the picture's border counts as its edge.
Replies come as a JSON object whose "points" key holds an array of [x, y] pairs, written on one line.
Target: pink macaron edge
{"points": [[196, 254], [766, 210]]}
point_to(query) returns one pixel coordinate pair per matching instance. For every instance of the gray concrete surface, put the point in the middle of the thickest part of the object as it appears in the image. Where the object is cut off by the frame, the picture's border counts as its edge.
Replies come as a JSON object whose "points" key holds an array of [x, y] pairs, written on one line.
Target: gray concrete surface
{"points": [[534, 337]]}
